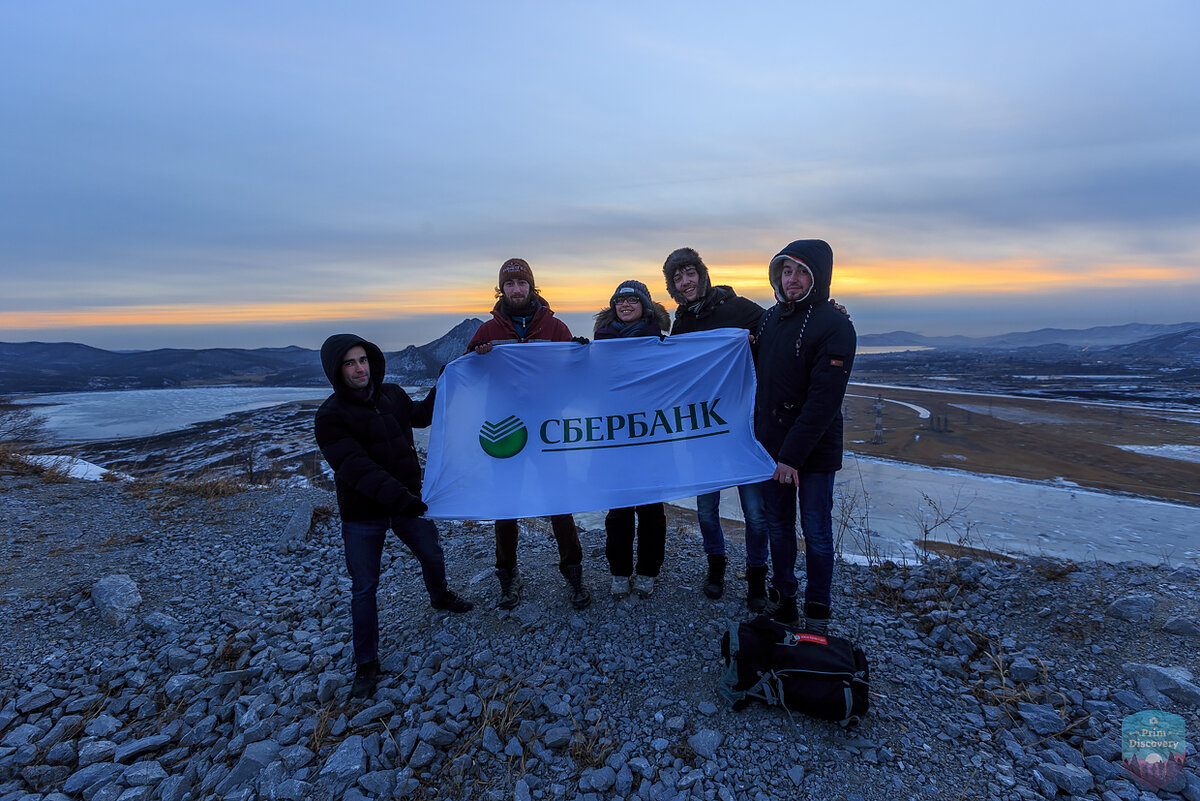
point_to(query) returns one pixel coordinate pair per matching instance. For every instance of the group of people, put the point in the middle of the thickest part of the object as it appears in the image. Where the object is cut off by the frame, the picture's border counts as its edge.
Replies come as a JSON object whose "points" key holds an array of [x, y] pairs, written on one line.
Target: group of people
{"points": [[803, 347]]}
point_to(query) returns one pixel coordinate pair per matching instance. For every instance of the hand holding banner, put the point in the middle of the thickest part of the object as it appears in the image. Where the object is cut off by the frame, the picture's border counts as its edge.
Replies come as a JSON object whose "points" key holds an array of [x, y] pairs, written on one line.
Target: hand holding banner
{"points": [[547, 428]]}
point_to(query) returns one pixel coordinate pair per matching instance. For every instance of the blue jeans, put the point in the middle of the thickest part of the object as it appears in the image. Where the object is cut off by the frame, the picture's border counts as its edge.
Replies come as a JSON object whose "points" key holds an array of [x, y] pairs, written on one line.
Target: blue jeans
{"points": [[364, 549], [708, 512], [816, 523]]}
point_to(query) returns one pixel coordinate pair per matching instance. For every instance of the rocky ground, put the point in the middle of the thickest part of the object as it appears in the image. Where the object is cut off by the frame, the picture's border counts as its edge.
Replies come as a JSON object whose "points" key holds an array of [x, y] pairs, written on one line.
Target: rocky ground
{"points": [[219, 668]]}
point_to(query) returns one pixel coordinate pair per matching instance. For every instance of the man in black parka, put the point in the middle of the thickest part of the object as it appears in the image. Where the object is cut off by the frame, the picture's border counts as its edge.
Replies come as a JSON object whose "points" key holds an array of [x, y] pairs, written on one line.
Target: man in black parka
{"points": [[803, 354], [704, 307], [364, 431]]}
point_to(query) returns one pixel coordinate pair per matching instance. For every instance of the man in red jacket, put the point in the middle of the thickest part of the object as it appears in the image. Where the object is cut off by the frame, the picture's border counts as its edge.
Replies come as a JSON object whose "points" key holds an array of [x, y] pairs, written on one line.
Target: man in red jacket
{"points": [[521, 315]]}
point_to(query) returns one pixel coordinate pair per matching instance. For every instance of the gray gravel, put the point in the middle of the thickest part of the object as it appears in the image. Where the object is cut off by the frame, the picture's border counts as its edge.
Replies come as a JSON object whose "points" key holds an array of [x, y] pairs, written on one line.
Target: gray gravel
{"points": [[224, 672]]}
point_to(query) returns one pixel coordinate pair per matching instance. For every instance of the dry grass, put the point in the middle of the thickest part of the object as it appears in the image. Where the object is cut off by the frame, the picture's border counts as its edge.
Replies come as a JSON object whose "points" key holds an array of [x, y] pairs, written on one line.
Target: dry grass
{"points": [[953, 550], [229, 654], [163, 495], [19, 463], [592, 748], [320, 737], [1041, 447]]}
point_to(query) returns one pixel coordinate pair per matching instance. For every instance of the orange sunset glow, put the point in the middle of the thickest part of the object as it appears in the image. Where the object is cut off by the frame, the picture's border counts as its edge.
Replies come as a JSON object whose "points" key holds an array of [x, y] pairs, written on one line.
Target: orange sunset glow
{"points": [[581, 290]]}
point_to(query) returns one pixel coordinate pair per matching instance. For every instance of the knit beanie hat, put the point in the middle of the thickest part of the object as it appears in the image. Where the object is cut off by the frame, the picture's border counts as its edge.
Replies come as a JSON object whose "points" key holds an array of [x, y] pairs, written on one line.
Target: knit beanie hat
{"points": [[638, 290], [678, 260], [515, 268]]}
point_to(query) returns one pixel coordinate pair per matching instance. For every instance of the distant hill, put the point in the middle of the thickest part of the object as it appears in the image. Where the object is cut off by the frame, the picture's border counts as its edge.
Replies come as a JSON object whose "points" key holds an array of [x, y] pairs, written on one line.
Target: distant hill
{"points": [[1100, 336], [68, 367], [1173, 348]]}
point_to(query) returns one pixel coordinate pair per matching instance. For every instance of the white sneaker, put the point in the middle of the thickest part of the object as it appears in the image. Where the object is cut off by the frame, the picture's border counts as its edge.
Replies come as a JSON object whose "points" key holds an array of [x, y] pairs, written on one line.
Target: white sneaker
{"points": [[620, 586], [643, 585]]}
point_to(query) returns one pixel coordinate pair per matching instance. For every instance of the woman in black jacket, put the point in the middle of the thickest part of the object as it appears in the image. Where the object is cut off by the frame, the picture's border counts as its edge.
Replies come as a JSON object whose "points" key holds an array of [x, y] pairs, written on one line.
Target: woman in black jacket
{"points": [[631, 313]]}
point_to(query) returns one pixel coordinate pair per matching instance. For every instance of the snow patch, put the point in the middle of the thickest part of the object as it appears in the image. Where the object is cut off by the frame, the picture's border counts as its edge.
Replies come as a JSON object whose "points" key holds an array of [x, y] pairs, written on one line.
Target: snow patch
{"points": [[75, 468], [1184, 453]]}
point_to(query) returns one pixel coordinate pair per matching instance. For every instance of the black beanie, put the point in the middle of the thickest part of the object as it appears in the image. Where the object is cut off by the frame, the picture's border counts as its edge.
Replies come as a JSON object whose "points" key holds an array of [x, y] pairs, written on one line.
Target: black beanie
{"points": [[636, 288]]}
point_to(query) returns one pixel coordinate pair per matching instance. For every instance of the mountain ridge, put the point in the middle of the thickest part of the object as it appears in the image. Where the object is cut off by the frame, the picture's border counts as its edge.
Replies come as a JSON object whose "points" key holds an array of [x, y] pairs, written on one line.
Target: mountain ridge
{"points": [[40, 367], [1096, 336], [34, 367]]}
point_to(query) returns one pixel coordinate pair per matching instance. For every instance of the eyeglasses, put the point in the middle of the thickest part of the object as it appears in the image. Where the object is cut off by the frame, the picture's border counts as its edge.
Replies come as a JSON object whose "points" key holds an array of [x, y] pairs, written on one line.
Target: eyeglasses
{"points": [[629, 302]]}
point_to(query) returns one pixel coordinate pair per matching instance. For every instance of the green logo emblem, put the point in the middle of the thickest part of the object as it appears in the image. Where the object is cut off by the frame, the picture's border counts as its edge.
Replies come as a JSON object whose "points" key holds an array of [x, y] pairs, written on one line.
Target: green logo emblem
{"points": [[504, 439]]}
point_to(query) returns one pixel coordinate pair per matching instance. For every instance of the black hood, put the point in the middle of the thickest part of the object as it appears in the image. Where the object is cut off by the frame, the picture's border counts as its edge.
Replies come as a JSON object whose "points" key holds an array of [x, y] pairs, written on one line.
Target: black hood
{"points": [[334, 351], [814, 254]]}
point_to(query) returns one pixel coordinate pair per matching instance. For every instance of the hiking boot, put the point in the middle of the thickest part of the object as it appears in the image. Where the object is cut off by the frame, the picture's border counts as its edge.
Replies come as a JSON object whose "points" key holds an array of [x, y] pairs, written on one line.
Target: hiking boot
{"points": [[580, 597], [714, 584], [510, 588], [452, 602], [816, 618], [786, 612], [782, 608], [756, 588], [620, 586], [643, 585], [366, 676]]}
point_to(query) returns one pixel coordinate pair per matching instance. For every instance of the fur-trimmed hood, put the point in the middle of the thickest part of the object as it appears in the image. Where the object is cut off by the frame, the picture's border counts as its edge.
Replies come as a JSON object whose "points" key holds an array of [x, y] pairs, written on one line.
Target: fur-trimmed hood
{"points": [[607, 316], [685, 257], [817, 256]]}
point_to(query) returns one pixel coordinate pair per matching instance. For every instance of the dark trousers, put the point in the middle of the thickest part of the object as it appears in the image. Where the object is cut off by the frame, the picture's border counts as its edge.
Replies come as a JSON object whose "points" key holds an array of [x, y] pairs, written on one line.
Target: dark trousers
{"points": [[815, 496], [651, 539], [364, 540], [569, 550]]}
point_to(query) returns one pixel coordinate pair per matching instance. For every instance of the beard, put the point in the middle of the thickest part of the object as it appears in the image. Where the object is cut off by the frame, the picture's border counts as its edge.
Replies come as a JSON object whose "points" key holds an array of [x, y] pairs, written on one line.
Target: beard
{"points": [[526, 307]]}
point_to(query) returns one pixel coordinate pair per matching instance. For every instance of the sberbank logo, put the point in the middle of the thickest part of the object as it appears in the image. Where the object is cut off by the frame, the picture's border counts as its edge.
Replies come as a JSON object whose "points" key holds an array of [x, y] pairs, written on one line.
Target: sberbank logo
{"points": [[504, 439], [625, 430]]}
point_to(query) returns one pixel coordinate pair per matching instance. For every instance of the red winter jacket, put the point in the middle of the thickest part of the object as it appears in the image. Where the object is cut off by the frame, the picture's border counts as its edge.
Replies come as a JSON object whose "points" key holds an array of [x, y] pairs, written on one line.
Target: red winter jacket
{"points": [[543, 327]]}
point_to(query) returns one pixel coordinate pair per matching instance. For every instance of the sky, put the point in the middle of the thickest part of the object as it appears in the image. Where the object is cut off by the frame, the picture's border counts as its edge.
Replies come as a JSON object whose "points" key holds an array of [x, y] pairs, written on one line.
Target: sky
{"points": [[231, 174]]}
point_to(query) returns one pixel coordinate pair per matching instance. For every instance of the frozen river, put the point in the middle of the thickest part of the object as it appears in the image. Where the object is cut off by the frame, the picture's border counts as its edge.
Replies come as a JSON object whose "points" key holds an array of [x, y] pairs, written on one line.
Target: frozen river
{"points": [[92, 416], [1006, 515]]}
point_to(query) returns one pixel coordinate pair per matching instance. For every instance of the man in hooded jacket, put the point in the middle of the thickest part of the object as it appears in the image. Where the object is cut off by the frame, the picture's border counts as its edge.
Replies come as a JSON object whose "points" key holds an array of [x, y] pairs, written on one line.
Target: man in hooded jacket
{"points": [[804, 350], [704, 307], [364, 431], [522, 315]]}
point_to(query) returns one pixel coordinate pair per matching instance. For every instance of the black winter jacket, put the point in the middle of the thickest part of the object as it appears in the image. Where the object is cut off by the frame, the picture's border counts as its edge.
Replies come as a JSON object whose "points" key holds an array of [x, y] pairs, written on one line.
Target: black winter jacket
{"points": [[369, 443], [804, 351], [721, 307]]}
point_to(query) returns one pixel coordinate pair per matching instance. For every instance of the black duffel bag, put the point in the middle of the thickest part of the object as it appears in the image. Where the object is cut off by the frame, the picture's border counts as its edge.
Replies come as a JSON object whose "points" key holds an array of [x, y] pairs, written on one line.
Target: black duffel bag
{"points": [[818, 675]]}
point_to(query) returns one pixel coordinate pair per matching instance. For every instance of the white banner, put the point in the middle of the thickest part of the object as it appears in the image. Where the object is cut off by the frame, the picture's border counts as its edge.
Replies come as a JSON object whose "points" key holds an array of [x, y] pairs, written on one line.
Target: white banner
{"points": [[543, 428]]}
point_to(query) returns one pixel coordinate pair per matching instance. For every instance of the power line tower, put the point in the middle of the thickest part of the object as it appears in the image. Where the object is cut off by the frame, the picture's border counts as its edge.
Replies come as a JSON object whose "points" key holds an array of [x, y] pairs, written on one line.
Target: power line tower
{"points": [[878, 438]]}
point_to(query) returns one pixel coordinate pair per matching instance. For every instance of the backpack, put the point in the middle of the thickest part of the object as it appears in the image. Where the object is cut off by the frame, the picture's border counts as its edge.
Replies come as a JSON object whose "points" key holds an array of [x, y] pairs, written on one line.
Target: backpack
{"points": [[825, 677]]}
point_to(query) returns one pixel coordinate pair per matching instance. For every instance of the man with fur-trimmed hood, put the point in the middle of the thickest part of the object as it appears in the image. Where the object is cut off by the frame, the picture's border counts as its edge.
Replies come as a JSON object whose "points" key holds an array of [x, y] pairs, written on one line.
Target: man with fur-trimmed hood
{"points": [[704, 307], [804, 350], [365, 432], [521, 315]]}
